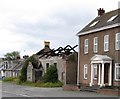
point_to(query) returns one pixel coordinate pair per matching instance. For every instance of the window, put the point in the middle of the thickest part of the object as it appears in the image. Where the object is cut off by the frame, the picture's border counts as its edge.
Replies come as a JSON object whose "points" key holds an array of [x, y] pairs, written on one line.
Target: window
{"points": [[94, 23], [85, 71], [117, 71], [86, 46], [47, 66], [95, 71], [112, 18], [55, 64], [95, 45], [106, 43], [117, 43]]}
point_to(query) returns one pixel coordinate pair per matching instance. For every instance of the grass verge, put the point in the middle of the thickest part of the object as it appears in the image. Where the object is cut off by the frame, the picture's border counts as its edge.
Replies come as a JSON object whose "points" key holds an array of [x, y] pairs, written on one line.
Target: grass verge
{"points": [[36, 84]]}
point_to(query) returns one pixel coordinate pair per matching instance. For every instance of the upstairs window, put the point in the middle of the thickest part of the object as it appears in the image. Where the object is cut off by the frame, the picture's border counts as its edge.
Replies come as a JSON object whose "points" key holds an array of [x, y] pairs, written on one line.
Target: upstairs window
{"points": [[85, 71], [86, 46], [117, 71], [95, 47], [106, 43], [117, 42]]}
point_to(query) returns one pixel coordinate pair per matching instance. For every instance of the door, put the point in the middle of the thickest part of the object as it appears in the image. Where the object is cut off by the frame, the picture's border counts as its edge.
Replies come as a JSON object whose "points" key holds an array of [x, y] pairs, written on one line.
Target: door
{"points": [[106, 72]]}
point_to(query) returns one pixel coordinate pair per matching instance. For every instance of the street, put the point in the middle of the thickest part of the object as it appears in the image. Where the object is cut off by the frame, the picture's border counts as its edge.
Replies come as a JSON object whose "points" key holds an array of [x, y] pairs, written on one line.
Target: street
{"points": [[12, 90]]}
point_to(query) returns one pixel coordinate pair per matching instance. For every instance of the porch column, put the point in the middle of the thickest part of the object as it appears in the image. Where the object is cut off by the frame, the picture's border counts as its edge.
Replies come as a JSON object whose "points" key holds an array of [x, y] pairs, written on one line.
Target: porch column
{"points": [[91, 83], [110, 77], [102, 81], [99, 76]]}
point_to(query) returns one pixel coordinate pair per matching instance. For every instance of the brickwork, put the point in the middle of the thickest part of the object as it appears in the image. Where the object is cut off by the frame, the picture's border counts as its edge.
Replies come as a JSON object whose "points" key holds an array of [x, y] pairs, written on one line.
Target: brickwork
{"points": [[85, 58]]}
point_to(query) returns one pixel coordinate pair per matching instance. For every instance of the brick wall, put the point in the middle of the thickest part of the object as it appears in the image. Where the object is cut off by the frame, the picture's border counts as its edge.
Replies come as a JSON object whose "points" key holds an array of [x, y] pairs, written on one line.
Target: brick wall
{"points": [[85, 58]]}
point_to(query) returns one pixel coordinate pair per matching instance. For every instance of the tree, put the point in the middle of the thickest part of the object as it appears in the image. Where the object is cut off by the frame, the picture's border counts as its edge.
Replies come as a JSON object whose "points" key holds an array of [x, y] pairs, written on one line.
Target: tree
{"points": [[51, 74], [12, 55]]}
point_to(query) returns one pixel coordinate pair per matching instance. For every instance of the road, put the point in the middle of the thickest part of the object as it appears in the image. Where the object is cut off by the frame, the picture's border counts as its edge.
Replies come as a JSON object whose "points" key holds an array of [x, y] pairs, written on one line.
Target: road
{"points": [[12, 90]]}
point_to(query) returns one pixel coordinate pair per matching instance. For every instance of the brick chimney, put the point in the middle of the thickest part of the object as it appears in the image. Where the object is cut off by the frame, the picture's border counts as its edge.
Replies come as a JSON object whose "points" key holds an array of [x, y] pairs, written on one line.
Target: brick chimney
{"points": [[101, 11], [47, 44]]}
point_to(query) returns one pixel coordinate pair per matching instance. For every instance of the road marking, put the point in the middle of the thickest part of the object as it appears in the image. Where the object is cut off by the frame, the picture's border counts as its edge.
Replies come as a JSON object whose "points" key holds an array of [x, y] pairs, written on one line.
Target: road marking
{"points": [[24, 95]]}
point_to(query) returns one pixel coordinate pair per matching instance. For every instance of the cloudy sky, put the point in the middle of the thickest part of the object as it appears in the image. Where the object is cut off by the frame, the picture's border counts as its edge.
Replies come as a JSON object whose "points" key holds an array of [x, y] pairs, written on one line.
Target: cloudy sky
{"points": [[26, 24]]}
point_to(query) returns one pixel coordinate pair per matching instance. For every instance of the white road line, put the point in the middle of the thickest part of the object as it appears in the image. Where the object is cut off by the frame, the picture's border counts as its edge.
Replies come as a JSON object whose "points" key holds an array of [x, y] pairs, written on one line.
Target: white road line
{"points": [[16, 94]]}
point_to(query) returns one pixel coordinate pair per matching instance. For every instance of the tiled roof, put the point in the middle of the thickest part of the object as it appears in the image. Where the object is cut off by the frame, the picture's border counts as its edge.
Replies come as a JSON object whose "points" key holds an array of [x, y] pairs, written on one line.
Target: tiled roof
{"points": [[107, 19]]}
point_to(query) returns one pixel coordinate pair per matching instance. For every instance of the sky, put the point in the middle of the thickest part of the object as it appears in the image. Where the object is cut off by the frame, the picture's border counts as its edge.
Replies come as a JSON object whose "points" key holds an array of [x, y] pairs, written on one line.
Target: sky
{"points": [[26, 24]]}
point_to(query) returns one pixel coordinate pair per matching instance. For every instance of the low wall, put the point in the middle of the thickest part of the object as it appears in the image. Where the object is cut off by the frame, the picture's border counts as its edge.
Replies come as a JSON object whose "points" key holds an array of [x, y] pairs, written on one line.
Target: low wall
{"points": [[71, 87], [109, 92]]}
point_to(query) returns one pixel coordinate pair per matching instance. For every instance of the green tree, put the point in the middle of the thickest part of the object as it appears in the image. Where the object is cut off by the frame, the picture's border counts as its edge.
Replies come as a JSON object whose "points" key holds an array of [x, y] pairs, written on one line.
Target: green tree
{"points": [[12, 55], [51, 74]]}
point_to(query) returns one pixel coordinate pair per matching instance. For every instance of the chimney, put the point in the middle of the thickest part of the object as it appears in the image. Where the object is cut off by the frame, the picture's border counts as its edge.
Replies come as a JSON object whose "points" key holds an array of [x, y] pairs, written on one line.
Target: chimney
{"points": [[101, 11], [47, 44]]}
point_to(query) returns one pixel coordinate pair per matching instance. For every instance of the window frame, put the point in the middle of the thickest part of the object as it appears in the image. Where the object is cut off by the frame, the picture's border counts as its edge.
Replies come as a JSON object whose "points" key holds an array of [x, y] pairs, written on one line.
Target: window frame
{"points": [[95, 46], [117, 65], [117, 41], [86, 46], [85, 71], [106, 42]]}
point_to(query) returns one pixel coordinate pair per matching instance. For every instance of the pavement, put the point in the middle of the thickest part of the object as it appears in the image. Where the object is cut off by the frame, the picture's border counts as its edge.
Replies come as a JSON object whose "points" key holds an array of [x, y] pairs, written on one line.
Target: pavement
{"points": [[12, 90]]}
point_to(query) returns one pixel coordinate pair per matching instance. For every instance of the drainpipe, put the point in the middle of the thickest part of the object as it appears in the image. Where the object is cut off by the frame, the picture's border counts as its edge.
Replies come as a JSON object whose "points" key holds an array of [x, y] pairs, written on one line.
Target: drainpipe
{"points": [[78, 69]]}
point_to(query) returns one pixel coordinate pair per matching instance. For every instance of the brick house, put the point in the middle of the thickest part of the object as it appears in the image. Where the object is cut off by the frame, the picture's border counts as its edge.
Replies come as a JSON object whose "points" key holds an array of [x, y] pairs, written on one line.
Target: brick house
{"points": [[99, 51]]}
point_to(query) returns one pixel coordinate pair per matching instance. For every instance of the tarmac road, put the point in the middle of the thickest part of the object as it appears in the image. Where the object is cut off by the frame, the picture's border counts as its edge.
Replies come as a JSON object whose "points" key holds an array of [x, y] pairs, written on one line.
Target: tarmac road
{"points": [[12, 90]]}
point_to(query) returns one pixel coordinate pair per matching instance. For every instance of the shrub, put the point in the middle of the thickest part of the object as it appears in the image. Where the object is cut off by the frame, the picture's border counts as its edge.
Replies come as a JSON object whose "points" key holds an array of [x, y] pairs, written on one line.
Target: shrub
{"points": [[51, 74]]}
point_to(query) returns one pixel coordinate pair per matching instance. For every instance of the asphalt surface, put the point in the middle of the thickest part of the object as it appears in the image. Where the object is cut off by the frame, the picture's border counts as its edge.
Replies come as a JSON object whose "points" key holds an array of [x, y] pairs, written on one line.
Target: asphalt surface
{"points": [[12, 90]]}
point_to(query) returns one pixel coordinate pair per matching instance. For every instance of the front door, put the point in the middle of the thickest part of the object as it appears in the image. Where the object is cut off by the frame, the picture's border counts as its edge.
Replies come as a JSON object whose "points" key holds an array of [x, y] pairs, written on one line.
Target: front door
{"points": [[106, 73]]}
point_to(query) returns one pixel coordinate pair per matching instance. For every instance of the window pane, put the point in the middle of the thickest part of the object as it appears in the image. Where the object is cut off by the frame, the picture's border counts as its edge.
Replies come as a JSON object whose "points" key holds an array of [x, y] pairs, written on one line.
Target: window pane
{"points": [[117, 41], [86, 46], [117, 73], [85, 72], [106, 42]]}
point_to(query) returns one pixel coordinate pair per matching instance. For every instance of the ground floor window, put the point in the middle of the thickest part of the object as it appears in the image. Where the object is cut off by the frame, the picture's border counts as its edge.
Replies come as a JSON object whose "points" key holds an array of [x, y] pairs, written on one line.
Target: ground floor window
{"points": [[117, 71], [85, 71], [95, 71]]}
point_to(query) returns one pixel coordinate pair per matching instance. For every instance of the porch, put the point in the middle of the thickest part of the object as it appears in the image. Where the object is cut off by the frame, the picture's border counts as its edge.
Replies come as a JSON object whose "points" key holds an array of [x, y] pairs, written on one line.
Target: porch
{"points": [[101, 70]]}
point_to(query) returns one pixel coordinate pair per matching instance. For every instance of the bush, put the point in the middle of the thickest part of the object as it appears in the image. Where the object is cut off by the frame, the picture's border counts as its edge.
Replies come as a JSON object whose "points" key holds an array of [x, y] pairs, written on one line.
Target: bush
{"points": [[51, 74]]}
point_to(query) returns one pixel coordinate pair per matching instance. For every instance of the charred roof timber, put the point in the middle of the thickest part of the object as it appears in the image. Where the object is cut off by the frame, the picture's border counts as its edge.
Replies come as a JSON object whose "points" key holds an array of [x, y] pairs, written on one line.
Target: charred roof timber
{"points": [[67, 50]]}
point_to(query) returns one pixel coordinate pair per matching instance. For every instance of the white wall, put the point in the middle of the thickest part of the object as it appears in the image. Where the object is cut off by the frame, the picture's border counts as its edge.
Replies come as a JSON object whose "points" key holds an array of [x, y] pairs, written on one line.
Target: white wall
{"points": [[60, 64]]}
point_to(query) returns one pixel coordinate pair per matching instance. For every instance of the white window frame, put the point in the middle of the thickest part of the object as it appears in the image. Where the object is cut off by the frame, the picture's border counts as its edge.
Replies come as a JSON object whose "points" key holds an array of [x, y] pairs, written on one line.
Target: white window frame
{"points": [[95, 47], [117, 65], [117, 41], [85, 46], [94, 71], [106, 43], [85, 71]]}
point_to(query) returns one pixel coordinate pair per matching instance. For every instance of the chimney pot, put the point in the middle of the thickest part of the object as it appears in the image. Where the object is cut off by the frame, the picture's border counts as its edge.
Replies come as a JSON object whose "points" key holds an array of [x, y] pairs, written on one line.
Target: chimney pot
{"points": [[101, 11]]}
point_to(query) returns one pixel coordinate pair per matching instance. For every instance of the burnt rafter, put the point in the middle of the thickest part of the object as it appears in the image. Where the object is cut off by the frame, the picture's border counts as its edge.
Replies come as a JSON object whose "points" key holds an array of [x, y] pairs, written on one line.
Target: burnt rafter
{"points": [[67, 50]]}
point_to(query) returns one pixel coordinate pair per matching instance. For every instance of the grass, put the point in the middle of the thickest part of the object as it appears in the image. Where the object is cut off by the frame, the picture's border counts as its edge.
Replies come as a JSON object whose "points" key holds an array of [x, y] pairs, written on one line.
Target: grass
{"points": [[36, 84], [42, 84]]}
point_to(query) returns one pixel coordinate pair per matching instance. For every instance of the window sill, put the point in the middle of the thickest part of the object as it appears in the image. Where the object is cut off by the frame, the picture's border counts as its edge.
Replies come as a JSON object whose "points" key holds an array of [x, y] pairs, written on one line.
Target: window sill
{"points": [[94, 78], [85, 78], [117, 80]]}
